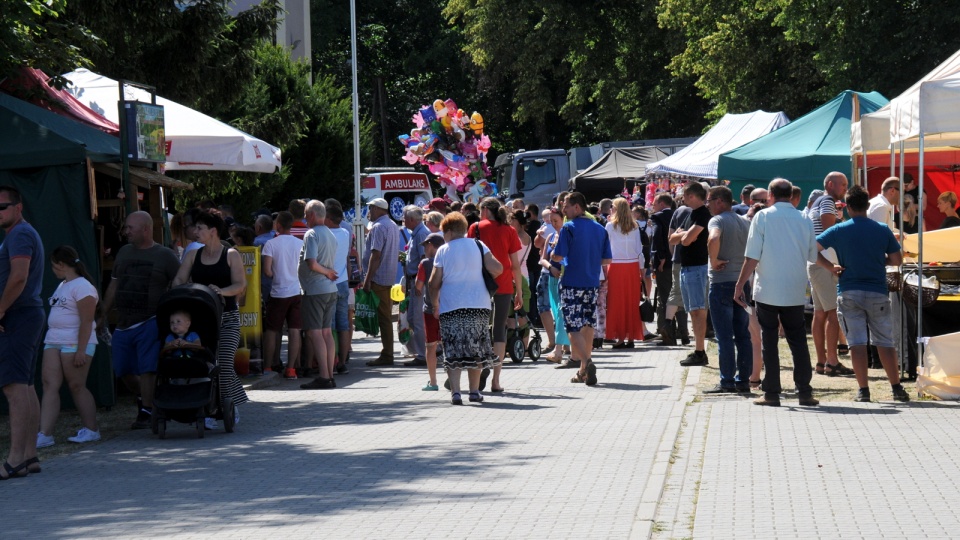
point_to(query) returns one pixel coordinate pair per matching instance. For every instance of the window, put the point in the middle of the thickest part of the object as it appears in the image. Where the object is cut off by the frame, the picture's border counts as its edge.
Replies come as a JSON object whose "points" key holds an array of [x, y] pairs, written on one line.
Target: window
{"points": [[537, 172]]}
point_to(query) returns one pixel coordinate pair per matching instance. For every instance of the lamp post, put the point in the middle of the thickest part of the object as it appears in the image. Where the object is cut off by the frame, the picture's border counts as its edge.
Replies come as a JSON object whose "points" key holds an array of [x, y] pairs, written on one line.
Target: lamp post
{"points": [[357, 216]]}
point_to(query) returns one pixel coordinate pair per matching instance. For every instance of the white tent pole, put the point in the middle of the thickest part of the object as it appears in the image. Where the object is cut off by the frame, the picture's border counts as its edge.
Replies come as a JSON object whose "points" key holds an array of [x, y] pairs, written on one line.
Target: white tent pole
{"points": [[920, 201], [357, 216], [901, 349]]}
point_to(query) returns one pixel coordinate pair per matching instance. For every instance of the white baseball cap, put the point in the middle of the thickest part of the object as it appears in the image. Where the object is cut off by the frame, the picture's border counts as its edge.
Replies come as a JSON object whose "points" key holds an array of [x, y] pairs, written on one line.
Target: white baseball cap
{"points": [[379, 203]]}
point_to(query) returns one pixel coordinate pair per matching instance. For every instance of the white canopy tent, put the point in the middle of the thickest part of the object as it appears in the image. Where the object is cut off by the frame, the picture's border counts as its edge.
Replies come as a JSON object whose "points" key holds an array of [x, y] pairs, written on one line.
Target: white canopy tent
{"points": [[195, 141], [732, 131], [924, 118]]}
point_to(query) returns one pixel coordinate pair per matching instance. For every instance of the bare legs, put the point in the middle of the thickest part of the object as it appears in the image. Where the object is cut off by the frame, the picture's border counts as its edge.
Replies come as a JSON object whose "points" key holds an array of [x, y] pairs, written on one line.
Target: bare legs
{"points": [[56, 368]]}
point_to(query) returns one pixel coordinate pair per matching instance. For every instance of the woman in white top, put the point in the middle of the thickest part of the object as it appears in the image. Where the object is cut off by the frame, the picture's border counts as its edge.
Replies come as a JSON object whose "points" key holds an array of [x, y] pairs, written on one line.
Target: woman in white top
{"points": [[623, 277], [462, 303], [68, 348]]}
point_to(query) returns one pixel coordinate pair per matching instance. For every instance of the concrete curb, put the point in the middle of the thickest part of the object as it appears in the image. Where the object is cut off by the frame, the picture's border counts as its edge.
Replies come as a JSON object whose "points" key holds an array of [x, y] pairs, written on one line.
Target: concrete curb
{"points": [[268, 379]]}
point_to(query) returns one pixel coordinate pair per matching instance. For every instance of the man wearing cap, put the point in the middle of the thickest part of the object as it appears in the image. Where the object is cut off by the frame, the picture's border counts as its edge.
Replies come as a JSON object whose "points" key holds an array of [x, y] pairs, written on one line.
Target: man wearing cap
{"points": [[437, 205], [744, 205], [413, 220], [380, 257]]}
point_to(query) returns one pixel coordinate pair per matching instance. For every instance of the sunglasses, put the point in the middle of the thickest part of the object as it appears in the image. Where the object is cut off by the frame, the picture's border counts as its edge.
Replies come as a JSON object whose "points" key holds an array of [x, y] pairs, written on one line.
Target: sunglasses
{"points": [[4, 206]]}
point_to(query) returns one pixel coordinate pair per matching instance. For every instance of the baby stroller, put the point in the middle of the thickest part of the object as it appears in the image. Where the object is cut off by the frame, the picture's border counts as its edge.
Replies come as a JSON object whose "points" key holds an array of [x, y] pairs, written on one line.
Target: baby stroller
{"points": [[188, 389], [515, 339]]}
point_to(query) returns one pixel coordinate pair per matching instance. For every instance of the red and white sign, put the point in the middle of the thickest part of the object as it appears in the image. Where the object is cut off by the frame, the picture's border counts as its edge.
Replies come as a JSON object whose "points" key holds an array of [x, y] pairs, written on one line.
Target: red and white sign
{"points": [[403, 182]]}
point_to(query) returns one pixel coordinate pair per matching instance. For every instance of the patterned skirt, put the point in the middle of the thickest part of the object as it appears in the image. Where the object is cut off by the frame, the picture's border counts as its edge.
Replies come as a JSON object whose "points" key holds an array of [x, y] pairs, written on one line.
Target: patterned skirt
{"points": [[230, 385], [467, 343]]}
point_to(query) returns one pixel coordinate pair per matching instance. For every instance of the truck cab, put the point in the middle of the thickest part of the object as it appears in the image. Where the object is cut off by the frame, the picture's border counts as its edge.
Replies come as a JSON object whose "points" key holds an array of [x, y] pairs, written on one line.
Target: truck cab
{"points": [[535, 176]]}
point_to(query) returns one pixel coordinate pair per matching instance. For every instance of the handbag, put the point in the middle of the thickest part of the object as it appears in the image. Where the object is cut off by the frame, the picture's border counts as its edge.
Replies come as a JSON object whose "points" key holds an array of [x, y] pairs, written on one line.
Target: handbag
{"points": [[489, 281], [365, 315], [647, 312]]}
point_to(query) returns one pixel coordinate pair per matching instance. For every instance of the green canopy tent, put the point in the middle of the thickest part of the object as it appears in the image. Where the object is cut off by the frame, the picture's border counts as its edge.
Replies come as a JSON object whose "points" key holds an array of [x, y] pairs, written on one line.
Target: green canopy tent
{"points": [[44, 155], [803, 151]]}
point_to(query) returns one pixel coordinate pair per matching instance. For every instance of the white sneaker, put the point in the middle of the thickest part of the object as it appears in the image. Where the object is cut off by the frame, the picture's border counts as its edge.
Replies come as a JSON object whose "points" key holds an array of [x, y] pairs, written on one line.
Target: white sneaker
{"points": [[85, 435], [210, 423], [44, 440]]}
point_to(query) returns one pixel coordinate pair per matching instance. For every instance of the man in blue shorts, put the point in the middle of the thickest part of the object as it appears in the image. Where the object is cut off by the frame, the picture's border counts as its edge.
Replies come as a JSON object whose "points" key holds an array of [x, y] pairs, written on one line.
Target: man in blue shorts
{"points": [[692, 235], [142, 272], [864, 249], [21, 322], [580, 281]]}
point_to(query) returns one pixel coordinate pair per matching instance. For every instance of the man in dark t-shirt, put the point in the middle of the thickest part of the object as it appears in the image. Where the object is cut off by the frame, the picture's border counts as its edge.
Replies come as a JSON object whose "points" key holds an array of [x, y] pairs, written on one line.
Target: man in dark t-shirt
{"points": [[694, 281], [142, 272]]}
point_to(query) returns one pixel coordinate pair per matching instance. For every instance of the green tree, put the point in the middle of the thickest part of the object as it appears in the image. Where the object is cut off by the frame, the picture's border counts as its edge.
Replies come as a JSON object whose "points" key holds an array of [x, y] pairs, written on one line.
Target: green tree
{"points": [[35, 34], [193, 52]]}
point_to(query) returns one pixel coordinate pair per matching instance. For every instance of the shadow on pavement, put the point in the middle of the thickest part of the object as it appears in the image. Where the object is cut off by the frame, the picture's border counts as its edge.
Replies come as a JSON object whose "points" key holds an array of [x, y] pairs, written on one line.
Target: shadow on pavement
{"points": [[632, 387]]}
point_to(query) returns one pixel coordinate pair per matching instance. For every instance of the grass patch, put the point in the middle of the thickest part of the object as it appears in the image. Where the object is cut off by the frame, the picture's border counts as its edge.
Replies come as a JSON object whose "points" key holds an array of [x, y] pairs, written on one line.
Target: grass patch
{"points": [[113, 422], [824, 388]]}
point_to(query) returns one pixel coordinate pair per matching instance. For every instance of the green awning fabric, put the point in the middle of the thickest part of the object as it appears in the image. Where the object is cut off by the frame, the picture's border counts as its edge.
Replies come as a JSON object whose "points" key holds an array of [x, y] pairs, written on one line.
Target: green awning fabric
{"points": [[34, 137], [803, 151]]}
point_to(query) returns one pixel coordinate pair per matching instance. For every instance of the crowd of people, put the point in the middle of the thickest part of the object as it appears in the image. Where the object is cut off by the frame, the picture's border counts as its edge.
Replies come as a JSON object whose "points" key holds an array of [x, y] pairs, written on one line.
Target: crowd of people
{"points": [[471, 273]]}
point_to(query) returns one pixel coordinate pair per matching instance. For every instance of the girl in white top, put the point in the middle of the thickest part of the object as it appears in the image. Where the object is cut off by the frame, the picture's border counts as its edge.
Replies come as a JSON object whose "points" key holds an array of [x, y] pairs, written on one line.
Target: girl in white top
{"points": [[624, 277], [69, 345]]}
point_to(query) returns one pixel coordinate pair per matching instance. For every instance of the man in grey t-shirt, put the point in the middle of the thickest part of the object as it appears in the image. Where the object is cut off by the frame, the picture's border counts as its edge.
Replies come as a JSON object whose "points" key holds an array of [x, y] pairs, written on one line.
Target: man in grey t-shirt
{"points": [[319, 287], [726, 243]]}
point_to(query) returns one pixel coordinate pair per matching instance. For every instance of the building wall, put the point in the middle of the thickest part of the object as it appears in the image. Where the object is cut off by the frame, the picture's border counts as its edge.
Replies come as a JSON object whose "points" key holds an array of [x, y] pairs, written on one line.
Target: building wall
{"points": [[293, 31]]}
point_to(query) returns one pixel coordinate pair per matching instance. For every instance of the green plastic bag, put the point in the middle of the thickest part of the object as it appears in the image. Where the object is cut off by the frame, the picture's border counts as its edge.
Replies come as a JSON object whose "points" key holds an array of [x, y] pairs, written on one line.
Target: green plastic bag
{"points": [[365, 315]]}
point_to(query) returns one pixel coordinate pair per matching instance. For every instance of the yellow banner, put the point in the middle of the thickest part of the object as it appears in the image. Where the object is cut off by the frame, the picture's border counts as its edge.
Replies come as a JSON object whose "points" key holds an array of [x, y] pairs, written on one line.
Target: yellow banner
{"points": [[251, 327]]}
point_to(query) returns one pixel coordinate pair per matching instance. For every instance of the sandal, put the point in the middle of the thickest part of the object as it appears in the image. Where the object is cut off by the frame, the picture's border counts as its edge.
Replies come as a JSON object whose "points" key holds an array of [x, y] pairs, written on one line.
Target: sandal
{"points": [[33, 461], [456, 399], [754, 385], [496, 390], [475, 397], [843, 350], [14, 472], [820, 367], [837, 370], [578, 378]]}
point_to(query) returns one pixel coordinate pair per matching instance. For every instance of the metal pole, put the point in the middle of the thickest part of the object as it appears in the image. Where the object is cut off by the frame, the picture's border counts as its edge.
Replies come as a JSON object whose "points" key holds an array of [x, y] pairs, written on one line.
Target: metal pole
{"points": [[920, 201], [357, 218], [124, 153], [902, 308]]}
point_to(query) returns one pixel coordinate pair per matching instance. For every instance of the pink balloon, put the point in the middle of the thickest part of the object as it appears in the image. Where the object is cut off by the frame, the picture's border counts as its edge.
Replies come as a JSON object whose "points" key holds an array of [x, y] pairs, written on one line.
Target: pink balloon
{"points": [[438, 169]]}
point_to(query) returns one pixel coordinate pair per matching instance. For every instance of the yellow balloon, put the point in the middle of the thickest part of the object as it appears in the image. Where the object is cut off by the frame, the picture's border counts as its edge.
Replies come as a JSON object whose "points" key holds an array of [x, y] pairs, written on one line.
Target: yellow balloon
{"points": [[396, 293], [476, 123]]}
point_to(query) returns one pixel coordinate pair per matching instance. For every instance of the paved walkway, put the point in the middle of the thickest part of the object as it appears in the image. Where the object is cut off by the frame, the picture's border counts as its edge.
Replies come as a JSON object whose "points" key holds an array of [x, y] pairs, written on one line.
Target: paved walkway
{"points": [[638, 456]]}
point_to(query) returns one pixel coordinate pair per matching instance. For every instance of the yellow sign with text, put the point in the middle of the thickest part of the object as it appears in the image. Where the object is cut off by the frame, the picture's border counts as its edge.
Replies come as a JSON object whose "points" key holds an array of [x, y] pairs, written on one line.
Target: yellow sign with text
{"points": [[251, 327]]}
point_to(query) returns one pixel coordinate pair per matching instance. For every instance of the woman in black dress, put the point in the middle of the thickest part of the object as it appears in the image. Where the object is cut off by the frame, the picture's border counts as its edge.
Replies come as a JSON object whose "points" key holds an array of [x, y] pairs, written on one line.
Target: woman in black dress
{"points": [[220, 268]]}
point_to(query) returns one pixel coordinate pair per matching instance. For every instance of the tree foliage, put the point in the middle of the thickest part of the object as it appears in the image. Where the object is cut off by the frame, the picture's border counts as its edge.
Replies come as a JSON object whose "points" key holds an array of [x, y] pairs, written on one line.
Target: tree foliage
{"points": [[792, 55], [33, 33]]}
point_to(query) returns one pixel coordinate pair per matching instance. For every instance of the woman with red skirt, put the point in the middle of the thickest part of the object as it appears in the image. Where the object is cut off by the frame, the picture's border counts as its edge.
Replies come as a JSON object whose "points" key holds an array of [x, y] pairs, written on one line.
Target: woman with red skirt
{"points": [[624, 276]]}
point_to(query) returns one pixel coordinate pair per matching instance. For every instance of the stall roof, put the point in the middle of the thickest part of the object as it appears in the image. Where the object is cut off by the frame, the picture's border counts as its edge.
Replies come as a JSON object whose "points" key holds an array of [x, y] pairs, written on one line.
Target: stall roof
{"points": [[143, 177], [31, 85], [732, 131], [617, 164], [803, 151], [195, 141], [35, 137]]}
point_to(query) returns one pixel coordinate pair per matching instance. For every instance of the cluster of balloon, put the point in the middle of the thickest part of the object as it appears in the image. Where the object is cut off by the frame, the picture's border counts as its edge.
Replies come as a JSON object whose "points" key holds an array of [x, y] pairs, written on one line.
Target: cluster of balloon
{"points": [[453, 147]]}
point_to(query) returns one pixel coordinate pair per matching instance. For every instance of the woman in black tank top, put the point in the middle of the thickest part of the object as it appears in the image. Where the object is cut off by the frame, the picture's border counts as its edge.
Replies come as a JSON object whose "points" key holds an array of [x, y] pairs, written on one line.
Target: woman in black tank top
{"points": [[221, 269]]}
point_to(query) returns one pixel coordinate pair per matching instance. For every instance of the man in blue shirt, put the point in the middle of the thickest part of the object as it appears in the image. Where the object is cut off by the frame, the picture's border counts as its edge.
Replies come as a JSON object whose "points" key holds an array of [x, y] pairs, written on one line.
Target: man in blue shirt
{"points": [[864, 249], [21, 322], [588, 242], [413, 220]]}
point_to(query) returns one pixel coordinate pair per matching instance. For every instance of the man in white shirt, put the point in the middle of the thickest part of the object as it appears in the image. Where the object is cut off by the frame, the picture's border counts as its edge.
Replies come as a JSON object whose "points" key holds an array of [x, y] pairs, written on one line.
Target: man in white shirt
{"points": [[881, 206], [779, 246], [281, 258]]}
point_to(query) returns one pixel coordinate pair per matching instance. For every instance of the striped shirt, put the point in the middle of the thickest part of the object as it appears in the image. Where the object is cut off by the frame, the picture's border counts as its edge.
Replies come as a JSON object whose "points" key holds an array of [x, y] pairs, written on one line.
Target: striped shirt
{"points": [[824, 205]]}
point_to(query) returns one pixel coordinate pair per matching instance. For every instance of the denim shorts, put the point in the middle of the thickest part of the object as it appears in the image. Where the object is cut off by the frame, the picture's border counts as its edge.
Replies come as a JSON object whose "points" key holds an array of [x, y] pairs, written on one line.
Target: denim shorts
{"points": [[135, 350], [694, 284], [860, 310], [341, 320], [70, 349], [543, 293]]}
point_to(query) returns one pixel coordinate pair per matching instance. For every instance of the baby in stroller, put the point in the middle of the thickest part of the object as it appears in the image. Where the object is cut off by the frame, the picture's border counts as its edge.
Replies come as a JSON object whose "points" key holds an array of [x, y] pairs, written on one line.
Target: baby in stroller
{"points": [[188, 379], [181, 340]]}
